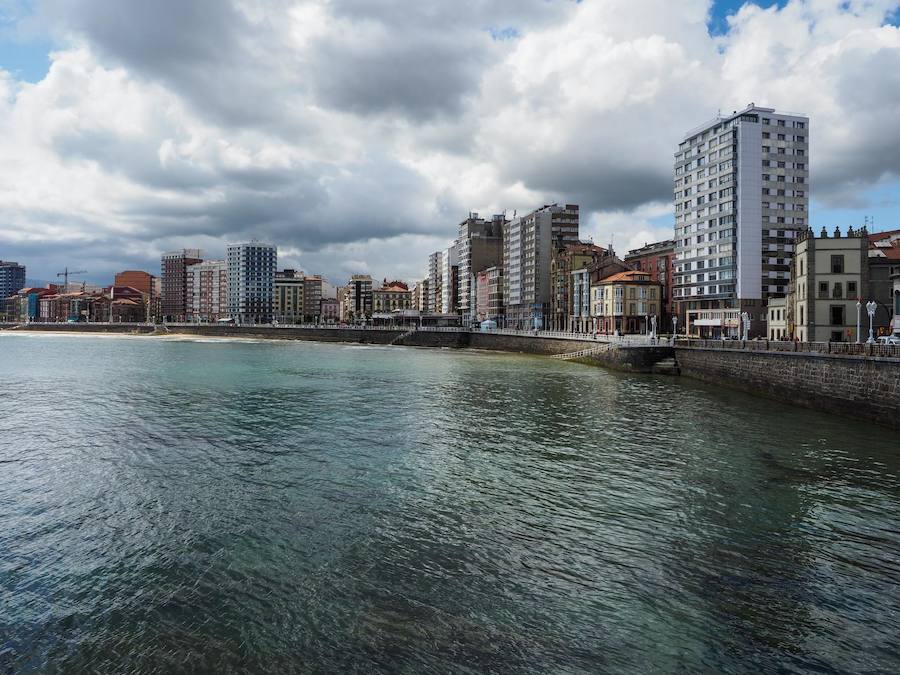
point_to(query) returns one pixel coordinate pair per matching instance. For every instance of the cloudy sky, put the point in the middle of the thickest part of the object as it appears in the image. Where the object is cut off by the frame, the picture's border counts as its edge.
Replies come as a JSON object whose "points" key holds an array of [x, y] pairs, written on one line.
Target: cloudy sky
{"points": [[356, 134]]}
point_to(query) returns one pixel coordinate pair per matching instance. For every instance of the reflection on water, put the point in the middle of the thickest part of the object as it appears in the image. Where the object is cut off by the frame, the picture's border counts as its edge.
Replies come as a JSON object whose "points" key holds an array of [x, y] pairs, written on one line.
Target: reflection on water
{"points": [[168, 505]]}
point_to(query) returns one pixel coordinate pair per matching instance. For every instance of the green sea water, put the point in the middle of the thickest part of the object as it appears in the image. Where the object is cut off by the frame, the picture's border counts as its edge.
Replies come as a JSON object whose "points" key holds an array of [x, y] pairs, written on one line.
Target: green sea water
{"points": [[237, 506]]}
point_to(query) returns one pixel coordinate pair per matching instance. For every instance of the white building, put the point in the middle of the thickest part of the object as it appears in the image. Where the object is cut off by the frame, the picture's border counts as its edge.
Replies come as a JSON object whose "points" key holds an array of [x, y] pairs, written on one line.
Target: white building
{"points": [[251, 282], [527, 251], [741, 195], [581, 301], [207, 291], [435, 277]]}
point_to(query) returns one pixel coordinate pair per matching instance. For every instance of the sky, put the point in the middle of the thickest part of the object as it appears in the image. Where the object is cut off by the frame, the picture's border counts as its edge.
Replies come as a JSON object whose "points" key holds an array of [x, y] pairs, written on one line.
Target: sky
{"points": [[357, 134]]}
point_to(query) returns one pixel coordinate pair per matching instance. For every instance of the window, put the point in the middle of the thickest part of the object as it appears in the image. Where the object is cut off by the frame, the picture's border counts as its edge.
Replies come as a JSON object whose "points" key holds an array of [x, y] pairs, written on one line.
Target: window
{"points": [[823, 289], [766, 135], [781, 137], [837, 264], [836, 336], [837, 315], [851, 290], [800, 139], [837, 292]]}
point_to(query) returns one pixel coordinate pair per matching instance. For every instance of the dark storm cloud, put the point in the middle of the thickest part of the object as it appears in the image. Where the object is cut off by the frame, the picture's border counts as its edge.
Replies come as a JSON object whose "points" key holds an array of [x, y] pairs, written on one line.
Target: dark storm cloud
{"points": [[205, 50]]}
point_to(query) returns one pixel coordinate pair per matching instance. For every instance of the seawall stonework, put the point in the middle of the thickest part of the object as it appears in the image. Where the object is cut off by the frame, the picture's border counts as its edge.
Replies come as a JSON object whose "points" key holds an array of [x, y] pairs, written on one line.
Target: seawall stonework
{"points": [[863, 387]]}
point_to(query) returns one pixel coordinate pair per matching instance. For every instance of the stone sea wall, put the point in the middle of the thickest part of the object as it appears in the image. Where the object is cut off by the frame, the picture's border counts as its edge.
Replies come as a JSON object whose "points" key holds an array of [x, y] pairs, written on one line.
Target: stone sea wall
{"points": [[866, 387]]}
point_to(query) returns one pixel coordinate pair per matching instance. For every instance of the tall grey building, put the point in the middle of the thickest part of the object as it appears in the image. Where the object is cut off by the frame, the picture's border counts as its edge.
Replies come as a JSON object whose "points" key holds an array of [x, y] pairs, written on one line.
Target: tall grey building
{"points": [[174, 299], [527, 252], [435, 282], [478, 247], [251, 282], [741, 195], [12, 279]]}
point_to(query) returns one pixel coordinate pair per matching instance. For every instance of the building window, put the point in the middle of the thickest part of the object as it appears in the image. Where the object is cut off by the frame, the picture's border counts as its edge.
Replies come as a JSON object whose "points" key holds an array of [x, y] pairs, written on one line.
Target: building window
{"points": [[851, 289], [823, 289], [837, 264], [837, 315], [837, 291]]}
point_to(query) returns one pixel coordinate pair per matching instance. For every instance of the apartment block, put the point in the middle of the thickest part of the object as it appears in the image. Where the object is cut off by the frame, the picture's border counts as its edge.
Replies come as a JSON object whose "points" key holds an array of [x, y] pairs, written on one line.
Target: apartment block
{"points": [[449, 281], [290, 299], [527, 250], [624, 303], [251, 282], [358, 298], [174, 289], [741, 196], [313, 293], [12, 278], [566, 258], [478, 247], [435, 280], [207, 288], [489, 294]]}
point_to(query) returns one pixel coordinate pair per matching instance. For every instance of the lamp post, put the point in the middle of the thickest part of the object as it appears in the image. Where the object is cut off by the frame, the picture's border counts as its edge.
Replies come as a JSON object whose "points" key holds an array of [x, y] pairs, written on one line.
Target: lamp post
{"points": [[858, 319], [674, 328], [870, 308]]}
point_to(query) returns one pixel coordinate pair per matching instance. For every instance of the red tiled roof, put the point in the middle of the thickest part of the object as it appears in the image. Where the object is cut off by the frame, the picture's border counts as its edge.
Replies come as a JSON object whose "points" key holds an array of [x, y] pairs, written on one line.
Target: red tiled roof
{"points": [[630, 275]]}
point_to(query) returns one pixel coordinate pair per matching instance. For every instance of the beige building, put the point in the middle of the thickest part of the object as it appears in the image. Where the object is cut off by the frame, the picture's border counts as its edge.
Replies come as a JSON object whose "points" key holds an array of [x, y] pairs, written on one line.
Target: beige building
{"points": [[624, 302], [207, 291], [289, 305], [392, 296], [777, 319], [829, 275]]}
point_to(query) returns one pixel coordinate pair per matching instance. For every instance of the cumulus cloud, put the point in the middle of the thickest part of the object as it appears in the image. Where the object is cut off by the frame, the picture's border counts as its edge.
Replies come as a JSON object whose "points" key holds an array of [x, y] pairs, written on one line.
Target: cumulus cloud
{"points": [[357, 133]]}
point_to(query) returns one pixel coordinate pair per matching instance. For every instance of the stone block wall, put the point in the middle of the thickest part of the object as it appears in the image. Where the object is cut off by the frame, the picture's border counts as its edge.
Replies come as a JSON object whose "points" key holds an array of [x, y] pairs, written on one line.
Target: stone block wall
{"points": [[854, 386]]}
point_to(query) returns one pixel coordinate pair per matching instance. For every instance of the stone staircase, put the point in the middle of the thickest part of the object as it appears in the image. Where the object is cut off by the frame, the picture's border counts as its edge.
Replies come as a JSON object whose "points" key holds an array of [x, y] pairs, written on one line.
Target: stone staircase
{"points": [[581, 353]]}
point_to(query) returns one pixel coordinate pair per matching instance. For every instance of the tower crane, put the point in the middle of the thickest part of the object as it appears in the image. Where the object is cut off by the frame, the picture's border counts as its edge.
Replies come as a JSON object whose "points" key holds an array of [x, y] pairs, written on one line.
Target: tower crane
{"points": [[65, 275]]}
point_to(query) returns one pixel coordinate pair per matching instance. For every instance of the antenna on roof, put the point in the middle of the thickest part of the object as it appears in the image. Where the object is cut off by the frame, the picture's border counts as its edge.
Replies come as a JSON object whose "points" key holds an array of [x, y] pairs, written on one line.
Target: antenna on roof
{"points": [[870, 223]]}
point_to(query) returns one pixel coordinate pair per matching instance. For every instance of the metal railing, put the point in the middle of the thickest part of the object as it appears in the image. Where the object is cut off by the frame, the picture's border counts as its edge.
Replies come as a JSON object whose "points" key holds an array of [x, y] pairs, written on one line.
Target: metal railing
{"points": [[836, 348]]}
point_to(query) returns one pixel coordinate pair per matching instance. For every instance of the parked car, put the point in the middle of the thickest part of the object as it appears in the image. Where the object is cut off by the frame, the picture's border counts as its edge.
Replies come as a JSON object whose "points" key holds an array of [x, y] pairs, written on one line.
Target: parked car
{"points": [[889, 340]]}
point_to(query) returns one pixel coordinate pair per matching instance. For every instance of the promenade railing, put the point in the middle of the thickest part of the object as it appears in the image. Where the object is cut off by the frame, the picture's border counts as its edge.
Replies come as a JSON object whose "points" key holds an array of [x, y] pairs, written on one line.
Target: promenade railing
{"points": [[837, 348]]}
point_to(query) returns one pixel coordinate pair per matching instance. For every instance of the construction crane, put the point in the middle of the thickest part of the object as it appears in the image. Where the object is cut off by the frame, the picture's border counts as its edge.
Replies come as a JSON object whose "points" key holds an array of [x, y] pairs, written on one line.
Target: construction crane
{"points": [[65, 275]]}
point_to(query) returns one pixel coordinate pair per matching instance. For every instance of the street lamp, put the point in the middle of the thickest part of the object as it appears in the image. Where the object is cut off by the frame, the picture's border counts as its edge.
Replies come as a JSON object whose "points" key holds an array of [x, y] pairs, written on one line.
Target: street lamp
{"points": [[870, 308], [674, 327], [745, 320], [858, 320]]}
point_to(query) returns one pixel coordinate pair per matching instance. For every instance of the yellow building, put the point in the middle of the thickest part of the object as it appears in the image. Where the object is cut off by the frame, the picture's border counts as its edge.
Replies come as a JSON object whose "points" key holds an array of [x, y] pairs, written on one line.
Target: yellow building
{"points": [[623, 303]]}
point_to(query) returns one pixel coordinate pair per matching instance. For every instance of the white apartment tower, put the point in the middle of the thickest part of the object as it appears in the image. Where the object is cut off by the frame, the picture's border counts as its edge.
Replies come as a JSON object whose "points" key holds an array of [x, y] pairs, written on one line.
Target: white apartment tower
{"points": [[207, 291], [527, 249], [741, 195], [251, 282]]}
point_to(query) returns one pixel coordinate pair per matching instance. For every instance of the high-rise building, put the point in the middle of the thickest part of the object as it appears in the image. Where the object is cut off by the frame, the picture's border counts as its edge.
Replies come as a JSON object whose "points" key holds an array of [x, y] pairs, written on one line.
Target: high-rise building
{"points": [[251, 282], [312, 297], [741, 196], [12, 279], [174, 296], [449, 281], [527, 249], [489, 294], [207, 284], [435, 278], [289, 296], [564, 223], [478, 246], [358, 298]]}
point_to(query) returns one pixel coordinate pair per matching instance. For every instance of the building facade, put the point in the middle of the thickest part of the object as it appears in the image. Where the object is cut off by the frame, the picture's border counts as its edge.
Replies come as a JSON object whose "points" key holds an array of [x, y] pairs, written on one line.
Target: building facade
{"points": [[358, 298], [658, 259], [449, 281], [329, 311], [830, 275], [435, 279], [207, 288], [290, 299], [489, 294], [581, 319], [741, 196], [478, 247], [313, 289], [777, 323], [12, 278], [173, 278], [527, 251], [565, 259], [251, 282], [393, 296], [624, 303]]}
